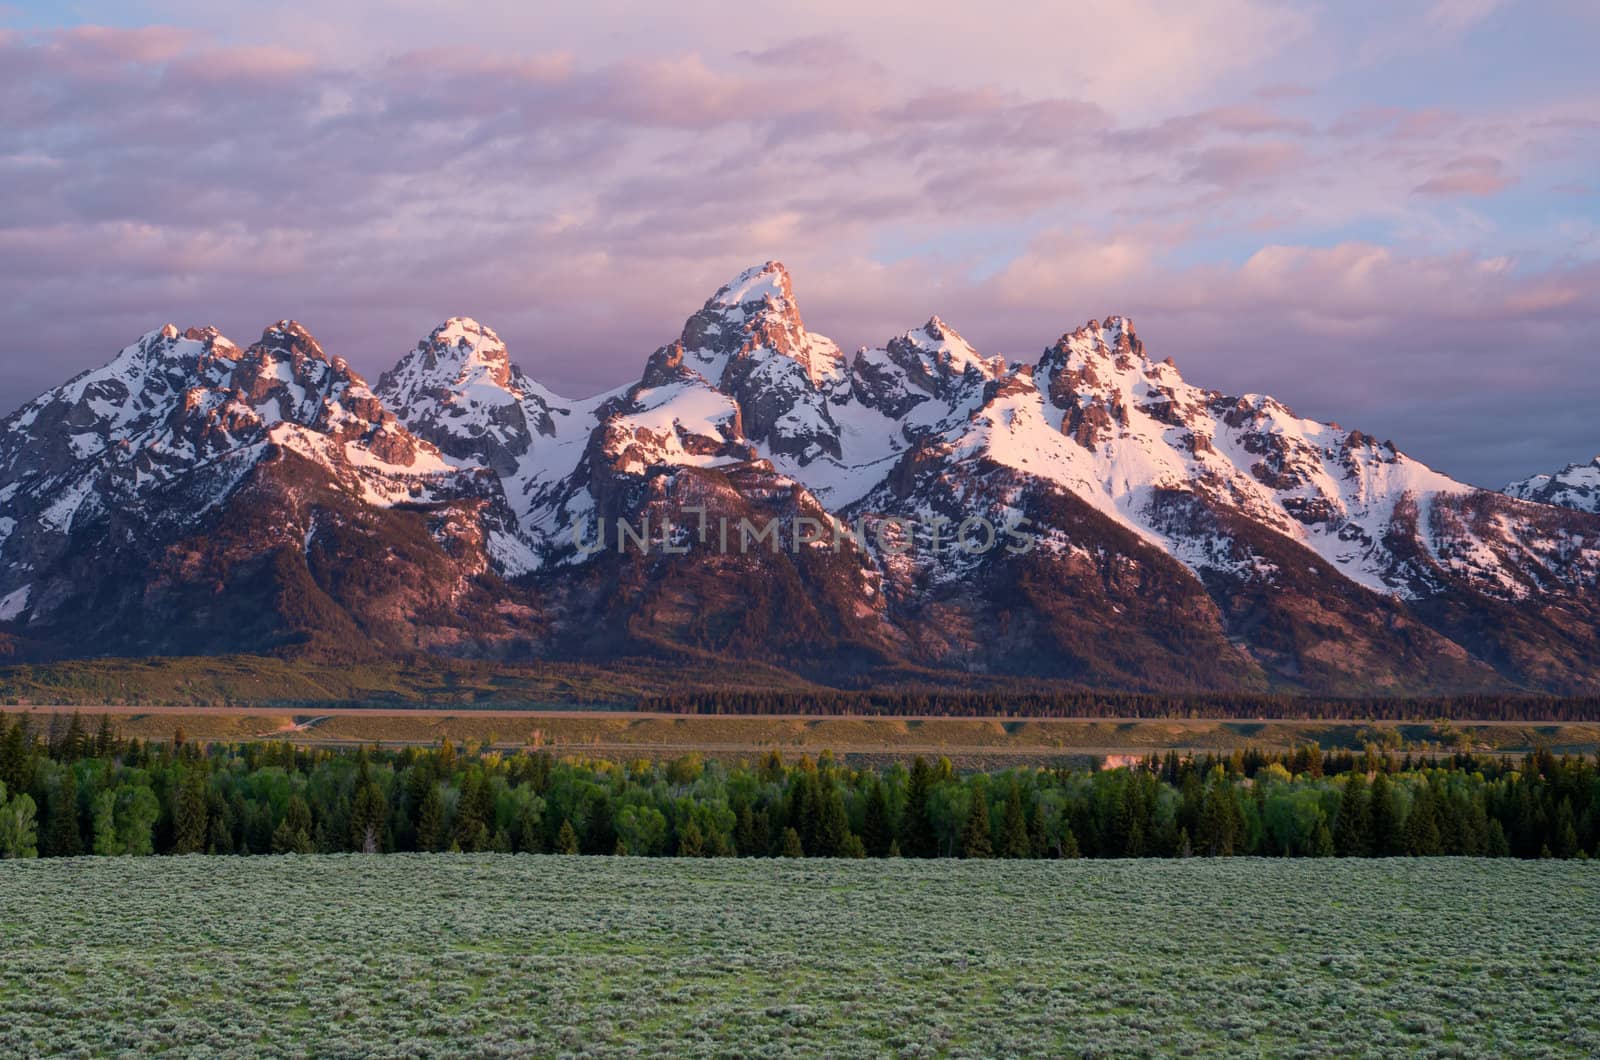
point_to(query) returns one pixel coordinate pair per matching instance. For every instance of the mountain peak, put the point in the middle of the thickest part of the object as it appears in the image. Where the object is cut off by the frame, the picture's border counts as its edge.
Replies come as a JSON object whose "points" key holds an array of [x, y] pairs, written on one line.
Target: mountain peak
{"points": [[760, 284], [470, 349], [1575, 486], [291, 337], [1111, 338]]}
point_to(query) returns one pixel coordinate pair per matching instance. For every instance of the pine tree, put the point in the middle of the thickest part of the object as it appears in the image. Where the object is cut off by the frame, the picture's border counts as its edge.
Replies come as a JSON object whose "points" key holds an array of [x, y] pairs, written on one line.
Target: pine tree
{"points": [[430, 819], [105, 740], [691, 840], [473, 810], [1422, 824], [917, 837], [876, 834], [744, 832], [293, 834], [62, 838], [833, 824], [1386, 838], [791, 844], [975, 842], [369, 815], [1014, 842], [190, 824], [1352, 836], [1566, 833], [76, 744], [1069, 844], [1038, 839], [529, 838], [566, 839], [1496, 845], [1221, 827]]}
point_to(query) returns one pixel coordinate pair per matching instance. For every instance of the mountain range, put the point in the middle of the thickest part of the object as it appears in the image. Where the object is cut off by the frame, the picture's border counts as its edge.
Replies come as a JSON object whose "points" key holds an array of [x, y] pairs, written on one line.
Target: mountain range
{"points": [[195, 497]]}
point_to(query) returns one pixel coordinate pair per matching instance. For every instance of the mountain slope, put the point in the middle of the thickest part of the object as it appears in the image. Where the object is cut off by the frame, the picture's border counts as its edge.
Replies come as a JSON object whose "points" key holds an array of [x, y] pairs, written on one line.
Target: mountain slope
{"points": [[191, 496]]}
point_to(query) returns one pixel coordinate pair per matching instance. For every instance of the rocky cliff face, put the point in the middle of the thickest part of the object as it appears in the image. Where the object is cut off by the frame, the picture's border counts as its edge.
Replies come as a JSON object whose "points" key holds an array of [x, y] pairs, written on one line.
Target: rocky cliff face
{"points": [[1136, 530]]}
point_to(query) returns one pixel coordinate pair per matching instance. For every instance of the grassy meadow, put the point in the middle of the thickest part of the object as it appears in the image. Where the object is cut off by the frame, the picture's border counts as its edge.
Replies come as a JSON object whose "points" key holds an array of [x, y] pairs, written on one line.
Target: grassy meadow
{"points": [[425, 955]]}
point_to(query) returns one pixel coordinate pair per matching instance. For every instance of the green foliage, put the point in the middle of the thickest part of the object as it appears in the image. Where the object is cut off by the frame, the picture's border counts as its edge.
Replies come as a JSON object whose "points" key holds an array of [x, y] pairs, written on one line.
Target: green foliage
{"points": [[258, 798], [19, 831]]}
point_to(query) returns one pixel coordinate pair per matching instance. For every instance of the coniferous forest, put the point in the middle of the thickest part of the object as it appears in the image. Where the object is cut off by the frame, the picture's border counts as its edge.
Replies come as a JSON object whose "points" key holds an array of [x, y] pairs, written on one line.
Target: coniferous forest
{"points": [[83, 790]]}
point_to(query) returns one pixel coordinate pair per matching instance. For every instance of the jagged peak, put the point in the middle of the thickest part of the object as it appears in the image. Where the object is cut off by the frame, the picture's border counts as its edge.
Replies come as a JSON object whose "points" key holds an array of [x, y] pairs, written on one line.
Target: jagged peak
{"points": [[209, 336], [950, 352], [465, 331], [768, 283], [1111, 338], [290, 336]]}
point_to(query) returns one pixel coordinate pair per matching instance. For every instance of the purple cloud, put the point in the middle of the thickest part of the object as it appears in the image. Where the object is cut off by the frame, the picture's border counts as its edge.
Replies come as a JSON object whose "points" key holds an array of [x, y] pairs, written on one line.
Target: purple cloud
{"points": [[585, 200]]}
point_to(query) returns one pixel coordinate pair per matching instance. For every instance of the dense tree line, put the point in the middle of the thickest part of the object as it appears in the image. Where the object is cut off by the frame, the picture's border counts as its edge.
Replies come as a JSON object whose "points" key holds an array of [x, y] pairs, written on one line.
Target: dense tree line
{"points": [[1030, 702], [82, 790]]}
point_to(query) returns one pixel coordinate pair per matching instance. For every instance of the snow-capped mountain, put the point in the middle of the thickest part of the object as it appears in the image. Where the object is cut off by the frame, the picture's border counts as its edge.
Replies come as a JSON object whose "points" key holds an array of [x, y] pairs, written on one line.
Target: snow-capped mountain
{"points": [[1177, 537], [187, 463], [459, 390], [1575, 486]]}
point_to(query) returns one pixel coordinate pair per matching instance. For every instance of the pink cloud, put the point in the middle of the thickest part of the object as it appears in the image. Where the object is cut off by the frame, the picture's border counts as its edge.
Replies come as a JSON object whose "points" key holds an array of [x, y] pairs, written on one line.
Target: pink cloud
{"points": [[1476, 175]]}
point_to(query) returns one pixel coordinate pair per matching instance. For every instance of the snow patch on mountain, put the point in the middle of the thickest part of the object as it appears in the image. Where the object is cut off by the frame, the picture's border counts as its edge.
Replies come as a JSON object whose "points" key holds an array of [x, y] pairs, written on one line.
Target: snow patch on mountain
{"points": [[14, 603]]}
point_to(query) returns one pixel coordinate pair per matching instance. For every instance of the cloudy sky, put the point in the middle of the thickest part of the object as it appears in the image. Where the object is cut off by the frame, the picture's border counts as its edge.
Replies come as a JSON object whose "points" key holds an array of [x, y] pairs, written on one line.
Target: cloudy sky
{"points": [[1384, 212]]}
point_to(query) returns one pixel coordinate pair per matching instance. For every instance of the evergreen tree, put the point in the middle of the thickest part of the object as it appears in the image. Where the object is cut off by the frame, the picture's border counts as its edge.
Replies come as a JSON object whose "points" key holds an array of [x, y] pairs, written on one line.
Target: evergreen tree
{"points": [[1221, 825], [1352, 836], [62, 838], [691, 840], [1014, 842], [876, 834], [1422, 825], [833, 825], [430, 819], [566, 839], [1387, 840], [975, 842], [744, 832], [473, 811], [190, 823], [791, 844], [293, 834], [369, 816], [1565, 843], [105, 740], [529, 837], [917, 836], [1038, 837], [1496, 845]]}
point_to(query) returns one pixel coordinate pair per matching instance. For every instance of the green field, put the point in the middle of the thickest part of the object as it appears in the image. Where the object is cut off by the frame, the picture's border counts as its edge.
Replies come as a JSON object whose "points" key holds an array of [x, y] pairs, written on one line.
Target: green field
{"points": [[516, 955]]}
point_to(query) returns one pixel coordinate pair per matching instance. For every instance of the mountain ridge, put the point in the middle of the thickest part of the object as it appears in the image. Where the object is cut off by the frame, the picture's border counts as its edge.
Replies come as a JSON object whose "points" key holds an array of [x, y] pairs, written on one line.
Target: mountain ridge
{"points": [[1184, 538]]}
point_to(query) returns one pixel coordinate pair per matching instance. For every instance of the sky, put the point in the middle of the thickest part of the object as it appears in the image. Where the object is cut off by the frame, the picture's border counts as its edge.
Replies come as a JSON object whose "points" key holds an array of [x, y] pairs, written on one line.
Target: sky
{"points": [[1385, 213]]}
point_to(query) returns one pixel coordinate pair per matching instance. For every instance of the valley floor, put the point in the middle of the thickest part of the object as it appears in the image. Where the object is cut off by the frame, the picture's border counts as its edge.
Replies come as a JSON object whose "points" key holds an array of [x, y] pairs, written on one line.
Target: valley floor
{"points": [[977, 743], [514, 954]]}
